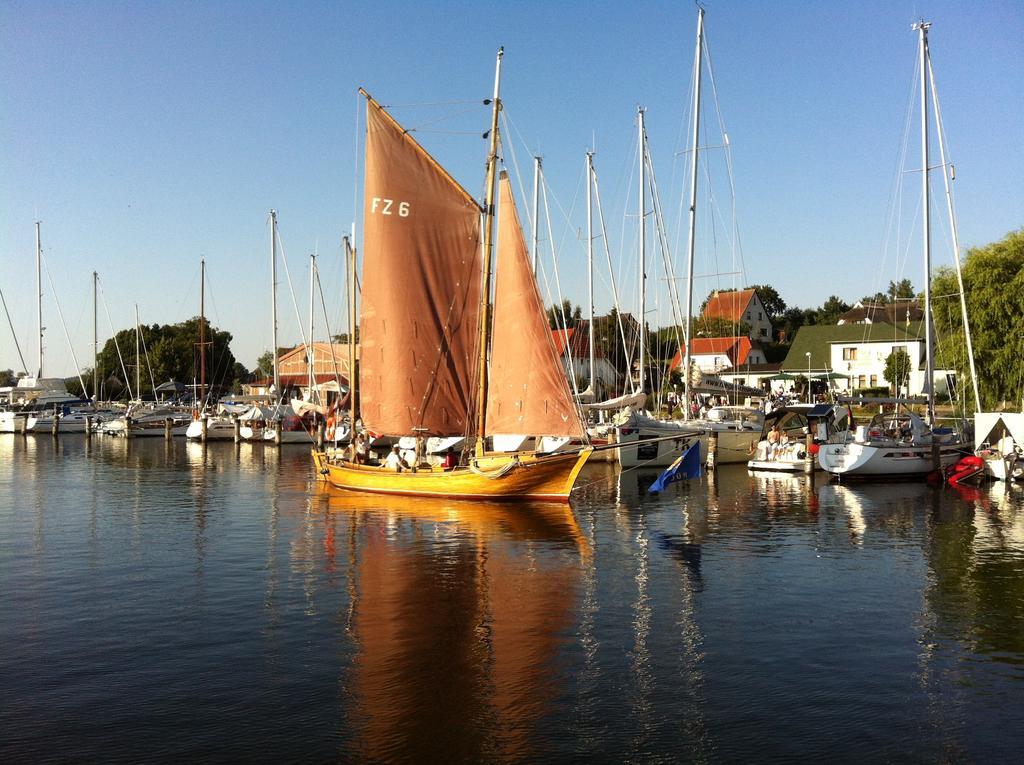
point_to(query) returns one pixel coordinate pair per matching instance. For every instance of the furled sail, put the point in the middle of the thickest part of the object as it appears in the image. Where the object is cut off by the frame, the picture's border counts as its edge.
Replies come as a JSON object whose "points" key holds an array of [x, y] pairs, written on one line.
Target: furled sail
{"points": [[421, 288], [527, 390]]}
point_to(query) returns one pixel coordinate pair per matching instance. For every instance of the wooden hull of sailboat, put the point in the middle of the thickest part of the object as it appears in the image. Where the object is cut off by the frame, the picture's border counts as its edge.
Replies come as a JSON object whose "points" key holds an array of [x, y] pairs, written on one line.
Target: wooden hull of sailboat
{"points": [[493, 477]]}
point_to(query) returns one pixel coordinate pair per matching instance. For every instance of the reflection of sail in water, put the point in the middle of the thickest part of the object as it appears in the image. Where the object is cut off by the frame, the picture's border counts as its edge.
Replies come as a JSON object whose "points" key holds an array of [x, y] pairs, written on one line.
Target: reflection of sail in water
{"points": [[456, 638]]}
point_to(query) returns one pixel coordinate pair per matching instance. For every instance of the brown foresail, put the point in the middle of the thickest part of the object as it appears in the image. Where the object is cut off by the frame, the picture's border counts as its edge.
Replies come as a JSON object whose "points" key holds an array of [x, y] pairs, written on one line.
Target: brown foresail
{"points": [[528, 391], [421, 288]]}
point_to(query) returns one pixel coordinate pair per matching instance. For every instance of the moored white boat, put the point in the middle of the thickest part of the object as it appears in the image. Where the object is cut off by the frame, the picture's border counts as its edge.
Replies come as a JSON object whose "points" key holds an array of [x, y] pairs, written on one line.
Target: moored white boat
{"points": [[902, 444], [737, 429], [789, 455], [893, 445], [999, 441]]}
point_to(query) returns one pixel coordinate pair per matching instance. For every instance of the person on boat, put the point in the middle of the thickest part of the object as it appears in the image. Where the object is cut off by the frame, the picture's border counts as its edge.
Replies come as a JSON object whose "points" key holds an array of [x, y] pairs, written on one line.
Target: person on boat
{"points": [[450, 460], [359, 450], [395, 462], [774, 437]]}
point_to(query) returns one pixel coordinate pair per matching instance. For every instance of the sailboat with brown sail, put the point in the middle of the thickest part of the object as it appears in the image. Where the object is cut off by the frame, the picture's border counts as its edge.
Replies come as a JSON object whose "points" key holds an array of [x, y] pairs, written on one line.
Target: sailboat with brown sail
{"points": [[426, 329]]}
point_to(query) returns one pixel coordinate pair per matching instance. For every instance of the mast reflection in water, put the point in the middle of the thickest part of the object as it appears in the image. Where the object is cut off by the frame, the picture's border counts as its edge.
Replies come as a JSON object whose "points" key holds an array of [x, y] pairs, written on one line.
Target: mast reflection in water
{"points": [[170, 601]]}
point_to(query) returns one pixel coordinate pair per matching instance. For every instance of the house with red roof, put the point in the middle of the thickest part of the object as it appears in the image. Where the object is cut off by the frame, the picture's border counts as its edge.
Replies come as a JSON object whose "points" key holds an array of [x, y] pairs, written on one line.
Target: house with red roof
{"points": [[329, 362], [715, 354], [737, 307], [573, 348]]}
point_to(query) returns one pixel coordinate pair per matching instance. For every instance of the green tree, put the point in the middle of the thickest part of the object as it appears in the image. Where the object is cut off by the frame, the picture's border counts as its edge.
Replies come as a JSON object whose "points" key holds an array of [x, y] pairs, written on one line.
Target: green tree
{"points": [[564, 316], [173, 354], [792, 319], [770, 299], [719, 327], [994, 286], [901, 290], [265, 364], [7, 378], [831, 310], [897, 369]]}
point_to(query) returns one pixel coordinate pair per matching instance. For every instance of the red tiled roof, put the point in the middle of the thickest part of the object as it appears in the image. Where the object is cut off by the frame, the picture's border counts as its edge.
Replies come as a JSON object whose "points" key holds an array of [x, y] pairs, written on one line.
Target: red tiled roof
{"points": [[577, 339], [297, 381], [737, 349], [728, 305]]}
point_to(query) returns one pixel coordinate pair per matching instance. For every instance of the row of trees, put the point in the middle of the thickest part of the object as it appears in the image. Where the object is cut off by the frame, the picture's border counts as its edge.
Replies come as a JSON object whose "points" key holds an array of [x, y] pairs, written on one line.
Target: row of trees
{"points": [[171, 352], [994, 286]]}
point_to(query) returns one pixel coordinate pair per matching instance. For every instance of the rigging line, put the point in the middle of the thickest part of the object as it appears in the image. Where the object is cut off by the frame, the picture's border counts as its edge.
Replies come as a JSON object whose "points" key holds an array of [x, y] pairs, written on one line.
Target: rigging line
{"points": [[510, 127], [659, 225], [558, 286], [894, 219], [291, 289], [358, 153], [737, 249], [14, 335], [515, 163], [60, 313], [113, 335], [330, 339], [149, 367], [418, 104], [443, 132], [611, 271]]}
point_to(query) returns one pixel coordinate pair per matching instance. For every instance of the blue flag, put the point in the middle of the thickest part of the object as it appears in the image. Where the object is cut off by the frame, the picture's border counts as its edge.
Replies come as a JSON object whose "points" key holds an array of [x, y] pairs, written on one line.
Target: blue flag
{"points": [[686, 467]]}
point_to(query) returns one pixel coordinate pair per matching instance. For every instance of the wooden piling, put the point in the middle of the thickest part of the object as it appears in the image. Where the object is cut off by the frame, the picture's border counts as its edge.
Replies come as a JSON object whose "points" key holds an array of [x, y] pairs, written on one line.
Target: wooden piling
{"points": [[238, 428], [205, 421], [88, 427], [168, 432], [808, 455], [55, 424]]}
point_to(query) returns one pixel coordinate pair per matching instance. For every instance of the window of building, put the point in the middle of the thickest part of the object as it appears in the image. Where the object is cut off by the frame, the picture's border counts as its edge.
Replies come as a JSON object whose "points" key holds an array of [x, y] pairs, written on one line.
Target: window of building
{"points": [[874, 381], [748, 315], [759, 316], [849, 354], [764, 332], [862, 381]]}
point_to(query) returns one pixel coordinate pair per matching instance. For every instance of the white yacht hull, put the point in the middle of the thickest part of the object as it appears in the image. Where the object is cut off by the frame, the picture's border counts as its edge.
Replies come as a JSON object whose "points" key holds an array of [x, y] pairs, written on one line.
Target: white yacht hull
{"points": [[906, 460], [638, 449], [217, 429], [14, 422]]}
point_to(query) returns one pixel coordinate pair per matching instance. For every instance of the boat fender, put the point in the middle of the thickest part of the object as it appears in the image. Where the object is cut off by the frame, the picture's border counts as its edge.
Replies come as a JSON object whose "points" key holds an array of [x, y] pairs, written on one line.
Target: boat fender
{"points": [[331, 425], [966, 468]]}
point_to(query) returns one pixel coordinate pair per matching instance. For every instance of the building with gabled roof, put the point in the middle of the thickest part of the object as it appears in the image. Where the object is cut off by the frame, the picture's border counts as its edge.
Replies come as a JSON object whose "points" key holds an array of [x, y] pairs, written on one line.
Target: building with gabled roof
{"points": [[739, 306], [859, 352], [714, 354], [329, 361], [900, 312], [573, 348]]}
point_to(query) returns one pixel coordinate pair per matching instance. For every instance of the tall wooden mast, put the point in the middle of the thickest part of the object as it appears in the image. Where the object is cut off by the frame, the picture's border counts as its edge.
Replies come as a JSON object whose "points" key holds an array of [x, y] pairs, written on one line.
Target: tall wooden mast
{"points": [[350, 251], [488, 254]]}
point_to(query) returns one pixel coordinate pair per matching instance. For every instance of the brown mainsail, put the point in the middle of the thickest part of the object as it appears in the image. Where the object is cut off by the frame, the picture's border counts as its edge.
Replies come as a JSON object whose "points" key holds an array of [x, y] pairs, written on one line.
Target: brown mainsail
{"points": [[528, 391], [421, 288]]}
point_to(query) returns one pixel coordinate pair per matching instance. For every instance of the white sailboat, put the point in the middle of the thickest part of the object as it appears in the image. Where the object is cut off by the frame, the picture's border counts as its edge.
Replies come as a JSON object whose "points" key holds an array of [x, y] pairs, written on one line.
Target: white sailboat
{"points": [[903, 444], [33, 395], [646, 441]]}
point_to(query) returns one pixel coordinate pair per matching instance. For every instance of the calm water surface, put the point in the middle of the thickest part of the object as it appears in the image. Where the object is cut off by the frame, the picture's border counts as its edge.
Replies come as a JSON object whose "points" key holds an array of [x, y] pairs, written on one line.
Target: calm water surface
{"points": [[170, 602]]}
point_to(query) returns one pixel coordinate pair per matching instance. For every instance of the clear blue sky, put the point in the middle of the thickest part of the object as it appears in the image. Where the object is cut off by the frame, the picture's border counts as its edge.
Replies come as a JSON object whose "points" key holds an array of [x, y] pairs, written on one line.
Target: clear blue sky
{"points": [[147, 135]]}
